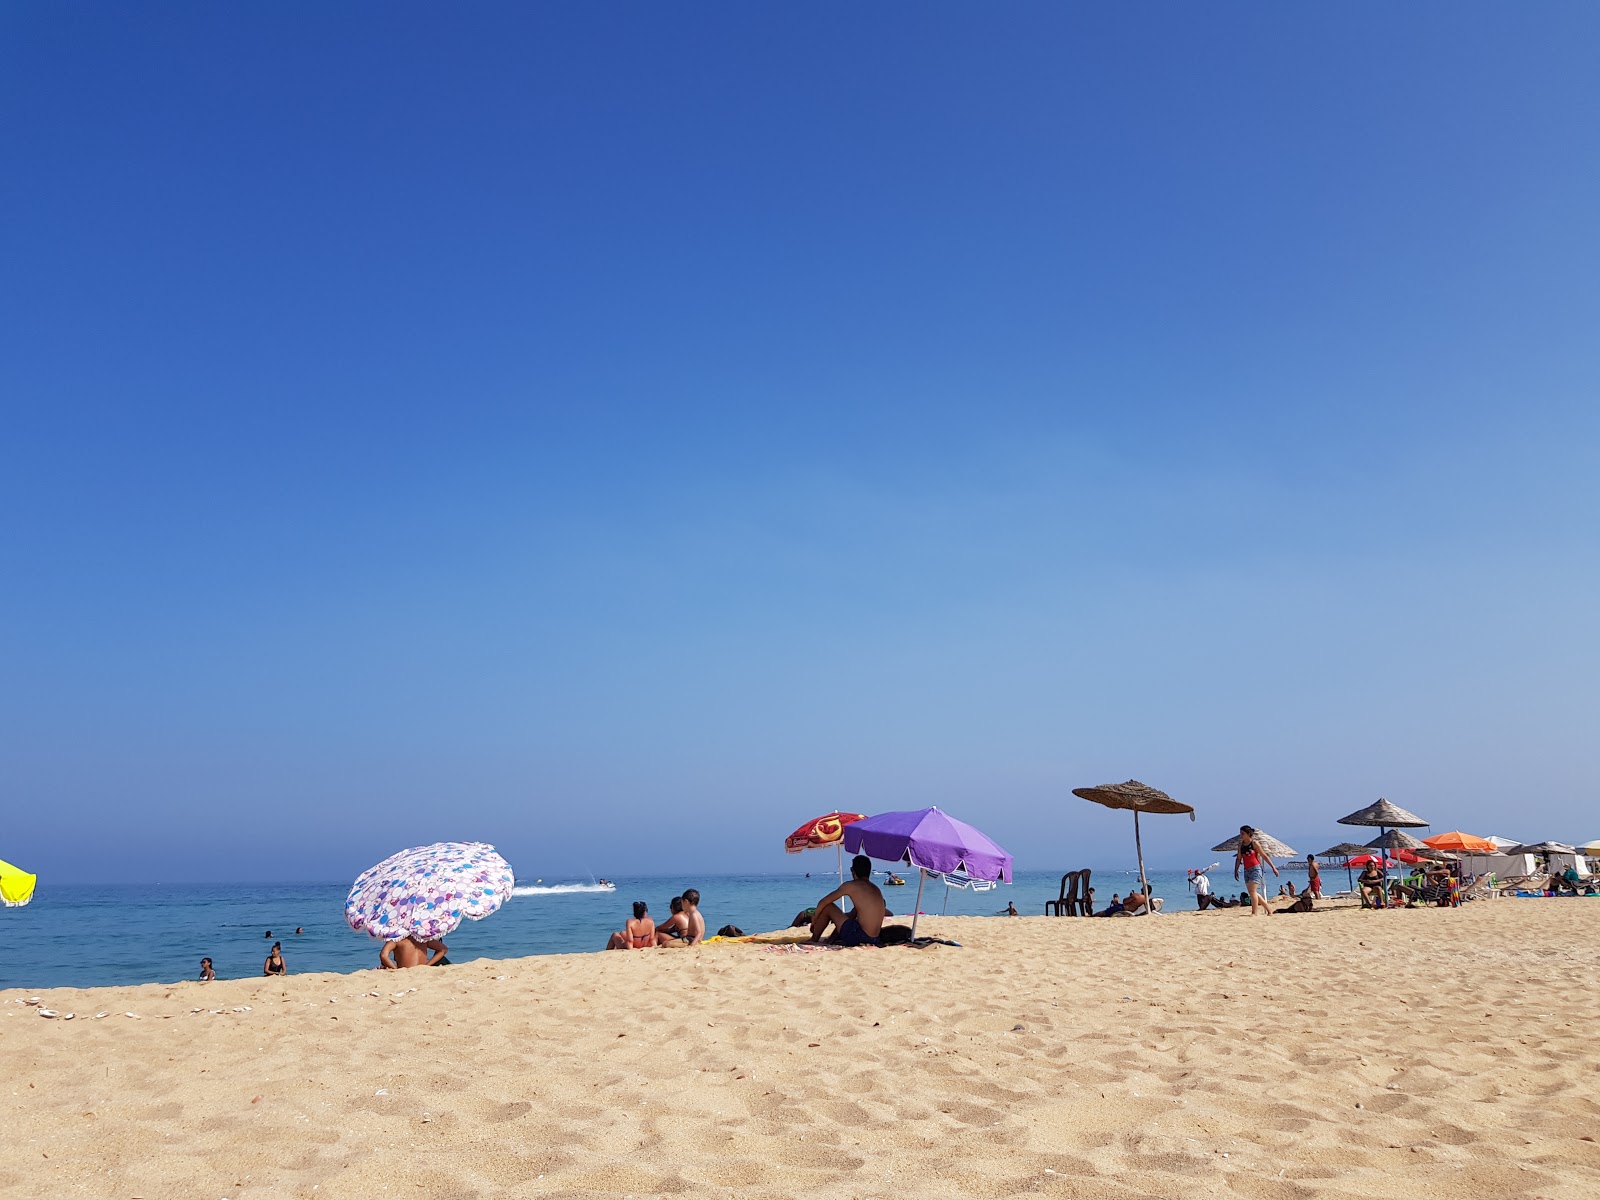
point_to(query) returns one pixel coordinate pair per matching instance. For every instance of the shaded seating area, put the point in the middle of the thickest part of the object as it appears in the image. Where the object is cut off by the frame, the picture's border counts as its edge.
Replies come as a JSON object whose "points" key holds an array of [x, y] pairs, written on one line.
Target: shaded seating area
{"points": [[1074, 898]]}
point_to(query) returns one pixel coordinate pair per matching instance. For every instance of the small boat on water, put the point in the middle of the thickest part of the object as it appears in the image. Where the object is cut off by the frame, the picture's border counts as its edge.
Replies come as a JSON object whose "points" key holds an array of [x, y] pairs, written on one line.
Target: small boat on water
{"points": [[894, 880]]}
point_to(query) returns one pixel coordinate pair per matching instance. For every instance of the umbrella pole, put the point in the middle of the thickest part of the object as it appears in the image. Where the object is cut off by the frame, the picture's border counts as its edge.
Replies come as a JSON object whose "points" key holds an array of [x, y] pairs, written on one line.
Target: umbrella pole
{"points": [[922, 878], [840, 848], [1138, 847]]}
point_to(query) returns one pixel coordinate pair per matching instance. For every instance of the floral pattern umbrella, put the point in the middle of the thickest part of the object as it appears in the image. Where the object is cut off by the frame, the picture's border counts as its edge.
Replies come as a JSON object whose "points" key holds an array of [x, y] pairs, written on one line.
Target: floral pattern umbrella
{"points": [[426, 892]]}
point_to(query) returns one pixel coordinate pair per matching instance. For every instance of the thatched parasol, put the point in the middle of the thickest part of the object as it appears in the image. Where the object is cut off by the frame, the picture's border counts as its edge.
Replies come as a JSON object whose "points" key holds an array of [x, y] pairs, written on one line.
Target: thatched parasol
{"points": [[1139, 798], [1265, 842], [1344, 850], [1385, 815], [1395, 839]]}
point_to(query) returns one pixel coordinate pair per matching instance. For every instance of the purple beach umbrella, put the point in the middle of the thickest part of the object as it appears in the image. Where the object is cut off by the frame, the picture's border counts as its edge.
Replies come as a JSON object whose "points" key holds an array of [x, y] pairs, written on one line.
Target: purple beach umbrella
{"points": [[931, 841]]}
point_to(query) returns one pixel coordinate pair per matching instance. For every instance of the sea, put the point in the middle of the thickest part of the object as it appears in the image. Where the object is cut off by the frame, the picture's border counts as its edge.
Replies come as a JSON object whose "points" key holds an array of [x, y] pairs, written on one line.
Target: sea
{"points": [[85, 935]]}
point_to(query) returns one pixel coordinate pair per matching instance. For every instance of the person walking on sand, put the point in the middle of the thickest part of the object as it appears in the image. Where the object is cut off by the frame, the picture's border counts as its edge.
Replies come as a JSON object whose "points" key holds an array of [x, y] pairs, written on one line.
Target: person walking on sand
{"points": [[1313, 877], [864, 922], [637, 934], [275, 964], [409, 952], [1250, 857]]}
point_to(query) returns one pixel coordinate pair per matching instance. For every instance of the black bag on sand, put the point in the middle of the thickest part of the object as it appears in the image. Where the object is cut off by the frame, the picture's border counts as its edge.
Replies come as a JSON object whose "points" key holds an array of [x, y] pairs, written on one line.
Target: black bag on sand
{"points": [[894, 935], [730, 931]]}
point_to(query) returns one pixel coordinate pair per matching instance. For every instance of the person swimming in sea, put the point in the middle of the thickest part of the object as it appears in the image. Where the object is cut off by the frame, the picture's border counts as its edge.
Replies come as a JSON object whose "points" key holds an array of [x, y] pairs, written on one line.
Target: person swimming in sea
{"points": [[864, 923]]}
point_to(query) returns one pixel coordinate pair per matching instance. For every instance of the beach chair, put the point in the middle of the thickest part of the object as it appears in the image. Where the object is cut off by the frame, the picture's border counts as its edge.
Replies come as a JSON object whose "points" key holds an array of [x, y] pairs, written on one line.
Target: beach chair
{"points": [[1068, 902]]}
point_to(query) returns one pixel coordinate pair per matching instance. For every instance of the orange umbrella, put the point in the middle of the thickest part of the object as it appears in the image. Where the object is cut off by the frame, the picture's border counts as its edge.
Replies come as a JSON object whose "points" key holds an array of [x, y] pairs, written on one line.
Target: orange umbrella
{"points": [[1464, 843]]}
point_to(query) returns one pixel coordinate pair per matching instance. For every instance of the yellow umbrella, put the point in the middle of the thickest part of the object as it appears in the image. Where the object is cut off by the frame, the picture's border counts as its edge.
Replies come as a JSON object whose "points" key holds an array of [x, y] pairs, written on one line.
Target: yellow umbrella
{"points": [[16, 885]]}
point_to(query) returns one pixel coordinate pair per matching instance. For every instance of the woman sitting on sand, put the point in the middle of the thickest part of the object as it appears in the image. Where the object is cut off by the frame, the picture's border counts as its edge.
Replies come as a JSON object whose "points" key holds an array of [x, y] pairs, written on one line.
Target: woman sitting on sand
{"points": [[275, 964], [637, 934], [674, 931]]}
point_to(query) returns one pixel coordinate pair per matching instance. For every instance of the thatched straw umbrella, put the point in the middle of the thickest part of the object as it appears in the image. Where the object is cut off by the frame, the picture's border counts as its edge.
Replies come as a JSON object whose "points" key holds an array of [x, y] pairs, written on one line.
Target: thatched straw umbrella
{"points": [[1396, 839], [1140, 798], [1344, 850], [1268, 845], [1385, 816]]}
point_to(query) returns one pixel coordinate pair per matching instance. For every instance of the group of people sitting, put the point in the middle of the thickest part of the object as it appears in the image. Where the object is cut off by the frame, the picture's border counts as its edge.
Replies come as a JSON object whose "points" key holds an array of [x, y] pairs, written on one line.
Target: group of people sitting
{"points": [[1437, 884], [684, 927]]}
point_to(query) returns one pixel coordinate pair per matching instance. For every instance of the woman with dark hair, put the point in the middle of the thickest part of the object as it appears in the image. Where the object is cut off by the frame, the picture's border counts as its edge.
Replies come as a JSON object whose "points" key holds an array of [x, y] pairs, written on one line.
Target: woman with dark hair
{"points": [[1250, 857], [274, 964], [637, 934]]}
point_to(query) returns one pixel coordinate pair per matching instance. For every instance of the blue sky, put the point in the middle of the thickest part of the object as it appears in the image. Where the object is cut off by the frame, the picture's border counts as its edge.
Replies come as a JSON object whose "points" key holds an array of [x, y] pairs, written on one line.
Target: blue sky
{"points": [[620, 432]]}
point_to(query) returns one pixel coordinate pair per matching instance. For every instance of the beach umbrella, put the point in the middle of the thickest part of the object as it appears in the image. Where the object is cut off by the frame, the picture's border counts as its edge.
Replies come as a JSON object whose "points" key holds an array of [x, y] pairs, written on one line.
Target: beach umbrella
{"points": [[1590, 848], [821, 832], [1464, 843], [1139, 798], [1545, 848], [1265, 842], [426, 892], [1385, 816], [933, 842], [1344, 850], [1503, 844], [1361, 860], [1395, 839], [16, 885]]}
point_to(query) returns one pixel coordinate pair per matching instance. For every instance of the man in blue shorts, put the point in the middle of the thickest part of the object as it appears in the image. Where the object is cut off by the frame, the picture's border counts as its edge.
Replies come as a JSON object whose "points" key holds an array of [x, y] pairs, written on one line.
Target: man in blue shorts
{"points": [[862, 925]]}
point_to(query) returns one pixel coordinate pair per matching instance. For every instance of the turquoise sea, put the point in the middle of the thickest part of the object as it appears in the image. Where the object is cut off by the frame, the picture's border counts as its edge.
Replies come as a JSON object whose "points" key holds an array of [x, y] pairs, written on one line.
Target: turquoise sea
{"points": [[84, 935]]}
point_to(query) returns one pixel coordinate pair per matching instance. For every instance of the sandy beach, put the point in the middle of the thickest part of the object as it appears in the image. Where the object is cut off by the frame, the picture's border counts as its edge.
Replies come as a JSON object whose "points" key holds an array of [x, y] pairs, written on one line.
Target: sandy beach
{"points": [[1341, 1053]]}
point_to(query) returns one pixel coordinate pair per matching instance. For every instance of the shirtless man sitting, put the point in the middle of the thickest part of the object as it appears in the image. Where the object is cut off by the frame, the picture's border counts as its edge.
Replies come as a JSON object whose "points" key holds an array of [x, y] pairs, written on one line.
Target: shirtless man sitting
{"points": [[864, 923], [408, 952]]}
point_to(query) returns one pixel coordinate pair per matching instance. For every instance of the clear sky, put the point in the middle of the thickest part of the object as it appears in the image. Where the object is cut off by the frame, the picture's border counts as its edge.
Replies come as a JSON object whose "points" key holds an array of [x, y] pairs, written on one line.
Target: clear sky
{"points": [[620, 431]]}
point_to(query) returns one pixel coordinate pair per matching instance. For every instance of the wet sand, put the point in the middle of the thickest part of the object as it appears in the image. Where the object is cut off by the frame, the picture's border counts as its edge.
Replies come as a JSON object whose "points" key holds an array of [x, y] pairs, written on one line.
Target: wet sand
{"points": [[1339, 1054]]}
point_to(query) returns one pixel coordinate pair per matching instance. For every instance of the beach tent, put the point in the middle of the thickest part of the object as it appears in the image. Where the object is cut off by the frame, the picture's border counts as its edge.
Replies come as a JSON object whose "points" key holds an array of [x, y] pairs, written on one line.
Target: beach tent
{"points": [[1139, 798], [16, 885], [933, 842], [821, 832]]}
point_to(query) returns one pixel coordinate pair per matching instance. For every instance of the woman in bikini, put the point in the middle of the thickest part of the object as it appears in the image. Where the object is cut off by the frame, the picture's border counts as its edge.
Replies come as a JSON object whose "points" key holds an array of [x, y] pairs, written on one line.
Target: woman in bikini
{"points": [[274, 964], [637, 934], [1250, 857]]}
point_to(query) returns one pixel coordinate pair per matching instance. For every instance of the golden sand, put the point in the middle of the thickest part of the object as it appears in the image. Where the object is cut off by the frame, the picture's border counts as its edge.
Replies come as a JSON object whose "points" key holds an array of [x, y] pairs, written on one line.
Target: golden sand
{"points": [[1344, 1053]]}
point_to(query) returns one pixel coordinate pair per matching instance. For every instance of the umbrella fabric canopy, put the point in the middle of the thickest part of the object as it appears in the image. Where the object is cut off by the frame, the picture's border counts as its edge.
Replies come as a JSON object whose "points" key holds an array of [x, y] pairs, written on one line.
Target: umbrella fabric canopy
{"points": [[1139, 798], [1384, 815], [1269, 845], [16, 885], [1362, 860], [1502, 844], [930, 841], [1395, 839], [428, 891], [1590, 847], [820, 832], [1546, 848], [1466, 843]]}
